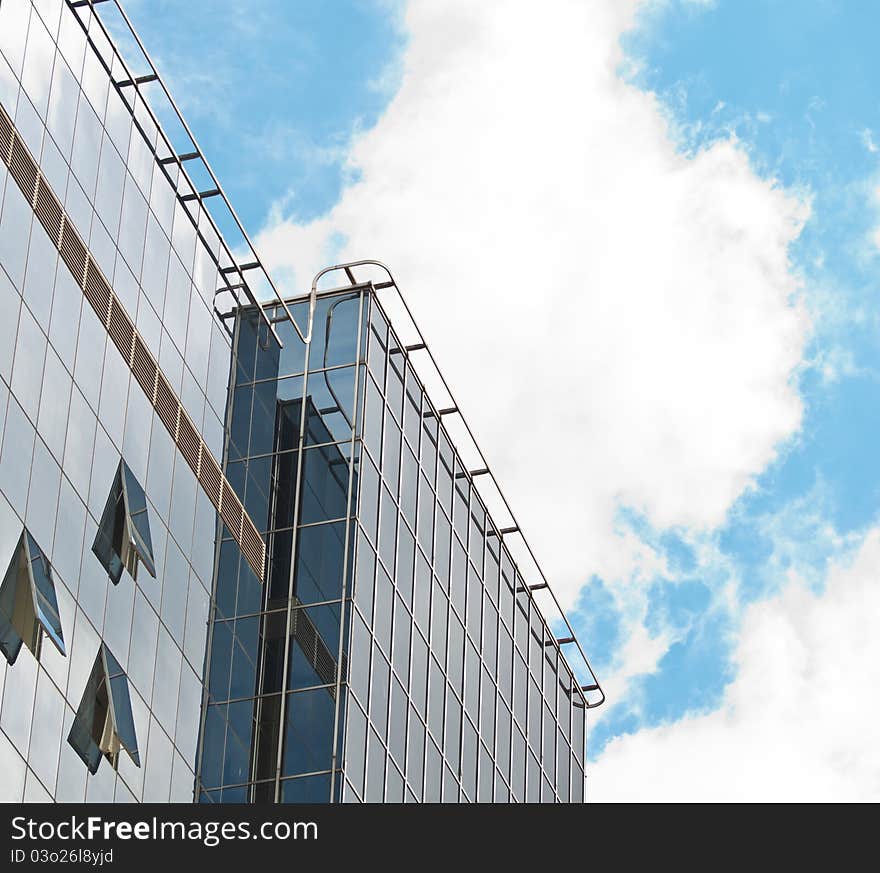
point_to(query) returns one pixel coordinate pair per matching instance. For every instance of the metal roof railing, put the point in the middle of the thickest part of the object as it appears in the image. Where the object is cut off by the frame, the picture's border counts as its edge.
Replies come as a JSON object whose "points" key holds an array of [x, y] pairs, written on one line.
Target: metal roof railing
{"points": [[234, 272], [590, 692]]}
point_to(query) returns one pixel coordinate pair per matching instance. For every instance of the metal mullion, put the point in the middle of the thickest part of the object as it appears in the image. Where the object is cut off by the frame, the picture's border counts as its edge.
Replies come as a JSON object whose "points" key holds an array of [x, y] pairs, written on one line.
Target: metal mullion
{"points": [[348, 533], [290, 598]]}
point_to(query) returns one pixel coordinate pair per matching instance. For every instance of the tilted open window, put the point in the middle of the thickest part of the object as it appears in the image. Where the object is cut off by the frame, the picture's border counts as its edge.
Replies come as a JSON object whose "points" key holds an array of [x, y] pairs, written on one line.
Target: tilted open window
{"points": [[28, 605], [104, 724], [123, 538]]}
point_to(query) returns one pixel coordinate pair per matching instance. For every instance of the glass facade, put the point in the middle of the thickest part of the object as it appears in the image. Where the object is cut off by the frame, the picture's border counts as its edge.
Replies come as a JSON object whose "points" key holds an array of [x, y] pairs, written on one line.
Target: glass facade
{"points": [[79, 431], [264, 571], [448, 685]]}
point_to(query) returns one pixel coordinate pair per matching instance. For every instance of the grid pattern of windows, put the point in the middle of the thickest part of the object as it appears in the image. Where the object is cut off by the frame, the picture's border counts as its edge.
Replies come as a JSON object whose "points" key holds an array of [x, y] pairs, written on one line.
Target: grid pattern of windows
{"points": [[458, 693], [70, 411], [276, 685], [452, 688]]}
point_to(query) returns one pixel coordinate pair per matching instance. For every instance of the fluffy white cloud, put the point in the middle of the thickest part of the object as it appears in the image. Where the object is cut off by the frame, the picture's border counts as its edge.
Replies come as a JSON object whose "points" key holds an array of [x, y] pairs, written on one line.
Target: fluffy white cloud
{"points": [[616, 318], [797, 724]]}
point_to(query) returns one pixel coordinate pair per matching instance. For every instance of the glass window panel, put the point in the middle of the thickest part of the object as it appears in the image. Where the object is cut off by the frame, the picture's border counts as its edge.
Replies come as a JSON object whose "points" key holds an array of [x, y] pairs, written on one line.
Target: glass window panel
{"points": [[39, 279], [394, 382], [380, 680], [409, 480], [387, 528], [563, 758], [104, 724], [86, 147], [426, 516], [520, 689], [319, 562], [397, 724], [441, 549], [487, 708], [450, 786], [452, 730], [355, 742], [433, 772], [460, 513], [376, 344], [132, 229], [436, 696], [548, 744], [383, 606], [391, 454], [335, 331], [111, 181], [361, 646], [415, 753], [366, 568], [412, 414], [490, 633], [472, 681], [123, 539], [505, 663], [469, 758], [369, 496], [490, 575], [324, 486], [458, 576], [221, 660], [474, 603], [455, 654], [577, 784], [375, 788], [486, 777], [154, 271], [405, 557], [314, 646], [400, 652], [533, 779], [428, 444], [439, 613], [308, 742], [373, 417], [393, 784], [422, 592], [419, 673], [305, 789], [27, 370]]}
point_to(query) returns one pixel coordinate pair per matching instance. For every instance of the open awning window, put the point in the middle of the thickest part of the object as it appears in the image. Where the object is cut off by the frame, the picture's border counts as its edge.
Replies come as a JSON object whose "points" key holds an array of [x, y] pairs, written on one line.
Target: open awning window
{"points": [[28, 605], [104, 724], [123, 539]]}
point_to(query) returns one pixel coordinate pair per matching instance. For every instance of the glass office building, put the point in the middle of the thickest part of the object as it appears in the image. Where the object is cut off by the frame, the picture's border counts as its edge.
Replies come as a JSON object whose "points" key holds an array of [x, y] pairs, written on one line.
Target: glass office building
{"points": [[241, 558]]}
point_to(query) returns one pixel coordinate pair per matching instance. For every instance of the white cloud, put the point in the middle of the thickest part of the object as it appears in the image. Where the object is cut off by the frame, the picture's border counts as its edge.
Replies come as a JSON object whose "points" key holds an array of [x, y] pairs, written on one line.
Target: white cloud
{"points": [[797, 722], [615, 318]]}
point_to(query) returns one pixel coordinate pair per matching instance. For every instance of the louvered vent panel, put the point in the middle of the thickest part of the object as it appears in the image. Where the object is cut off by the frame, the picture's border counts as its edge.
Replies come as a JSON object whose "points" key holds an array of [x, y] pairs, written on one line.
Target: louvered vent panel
{"points": [[189, 442], [49, 211], [6, 136], [96, 289], [121, 330], [230, 510], [74, 254], [167, 405], [252, 545], [144, 368], [211, 478], [23, 169]]}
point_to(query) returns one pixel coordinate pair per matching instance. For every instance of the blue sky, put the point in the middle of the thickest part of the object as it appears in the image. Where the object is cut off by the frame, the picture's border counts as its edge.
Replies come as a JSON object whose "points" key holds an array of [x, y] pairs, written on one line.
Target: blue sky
{"points": [[278, 93]]}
